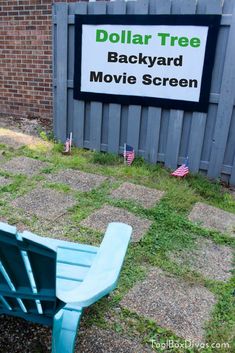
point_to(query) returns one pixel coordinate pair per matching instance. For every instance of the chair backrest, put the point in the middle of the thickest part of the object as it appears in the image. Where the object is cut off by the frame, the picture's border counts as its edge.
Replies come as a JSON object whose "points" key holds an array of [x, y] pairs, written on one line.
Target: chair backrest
{"points": [[27, 277]]}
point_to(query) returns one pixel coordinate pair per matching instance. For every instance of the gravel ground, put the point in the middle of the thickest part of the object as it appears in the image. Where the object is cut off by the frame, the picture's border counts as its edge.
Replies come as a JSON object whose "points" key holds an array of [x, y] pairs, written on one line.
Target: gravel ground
{"points": [[213, 218], [24, 165], [77, 180], [211, 260], [46, 203], [172, 303], [96, 340], [20, 336], [146, 197], [99, 220]]}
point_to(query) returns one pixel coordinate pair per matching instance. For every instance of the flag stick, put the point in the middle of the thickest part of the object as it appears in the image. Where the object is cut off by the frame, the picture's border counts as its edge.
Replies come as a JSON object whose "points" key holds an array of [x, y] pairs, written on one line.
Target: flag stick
{"points": [[124, 154], [70, 141]]}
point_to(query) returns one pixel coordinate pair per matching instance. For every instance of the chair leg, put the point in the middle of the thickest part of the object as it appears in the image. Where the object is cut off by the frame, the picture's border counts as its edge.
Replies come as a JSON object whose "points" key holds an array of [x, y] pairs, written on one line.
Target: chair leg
{"points": [[65, 326]]}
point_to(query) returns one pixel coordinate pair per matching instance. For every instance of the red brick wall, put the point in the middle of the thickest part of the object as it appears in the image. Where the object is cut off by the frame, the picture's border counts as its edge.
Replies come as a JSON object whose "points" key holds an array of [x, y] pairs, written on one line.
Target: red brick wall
{"points": [[26, 57]]}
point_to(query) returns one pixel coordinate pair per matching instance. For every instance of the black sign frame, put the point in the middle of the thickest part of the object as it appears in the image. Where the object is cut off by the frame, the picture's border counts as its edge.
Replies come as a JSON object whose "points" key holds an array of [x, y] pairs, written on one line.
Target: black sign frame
{"points": [[210, 21]]}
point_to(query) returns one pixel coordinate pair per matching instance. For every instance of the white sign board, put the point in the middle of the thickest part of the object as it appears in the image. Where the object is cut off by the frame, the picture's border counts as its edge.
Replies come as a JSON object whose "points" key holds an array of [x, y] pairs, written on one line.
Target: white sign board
{"points": [[159, 62]]}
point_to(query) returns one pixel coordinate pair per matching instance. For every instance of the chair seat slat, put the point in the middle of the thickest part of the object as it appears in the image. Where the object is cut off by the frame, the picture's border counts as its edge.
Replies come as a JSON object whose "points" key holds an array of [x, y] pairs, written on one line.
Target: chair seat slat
{"points": [[5, 303]]}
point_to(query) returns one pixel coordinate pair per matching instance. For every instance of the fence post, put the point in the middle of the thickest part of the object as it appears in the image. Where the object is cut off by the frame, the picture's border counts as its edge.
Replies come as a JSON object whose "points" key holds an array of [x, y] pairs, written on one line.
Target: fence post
{"points": [[61, 72], [225, 107]]}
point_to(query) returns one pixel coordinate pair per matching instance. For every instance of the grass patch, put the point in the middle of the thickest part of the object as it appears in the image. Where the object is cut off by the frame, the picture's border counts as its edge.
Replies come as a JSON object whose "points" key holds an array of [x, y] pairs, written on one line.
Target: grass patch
{"points": [[105, 158]]}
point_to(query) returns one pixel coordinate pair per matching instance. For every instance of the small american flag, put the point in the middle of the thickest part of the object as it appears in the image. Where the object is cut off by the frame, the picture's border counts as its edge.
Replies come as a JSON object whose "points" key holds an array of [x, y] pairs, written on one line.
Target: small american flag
{"points": [[67, 146], [129, 154], [182, 170]]}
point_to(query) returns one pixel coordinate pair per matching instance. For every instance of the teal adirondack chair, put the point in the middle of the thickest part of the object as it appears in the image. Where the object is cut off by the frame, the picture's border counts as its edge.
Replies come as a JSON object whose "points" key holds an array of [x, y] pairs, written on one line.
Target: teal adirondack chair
{"points": [[50, 281]]}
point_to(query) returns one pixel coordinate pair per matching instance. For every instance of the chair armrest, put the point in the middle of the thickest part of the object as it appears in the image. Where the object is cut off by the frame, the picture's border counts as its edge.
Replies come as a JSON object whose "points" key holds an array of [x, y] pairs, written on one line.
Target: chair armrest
{"points": [[103, 275]]}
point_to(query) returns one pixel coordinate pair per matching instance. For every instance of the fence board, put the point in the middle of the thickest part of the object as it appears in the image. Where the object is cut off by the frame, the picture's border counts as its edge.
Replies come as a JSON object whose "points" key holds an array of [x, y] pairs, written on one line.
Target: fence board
{"points": [[153, 130], [134, 112], [176, 117], [54, 64], [198, 123], [160, 7], [96, 8], [225, 108], [61, 72], [117, 7], [78, 124], [154, 116], [232, 178], [230, 151]]}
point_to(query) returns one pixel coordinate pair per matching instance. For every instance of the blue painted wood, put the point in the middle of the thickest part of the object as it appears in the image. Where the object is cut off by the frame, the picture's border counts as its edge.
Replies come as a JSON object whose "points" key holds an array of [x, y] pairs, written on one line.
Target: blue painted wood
{"points": [[232, 179], [134, 111], [95, 125], [66, 323], [96, 107], [228, 6], [155, 114], [61, 72], [114, 127], [217, 76], [103, 275], [176, 116], [230, 151], [78, 125], [196, 140], [183, 151], [225, 108], [173, 138], [133, 127], [160, 7], [153, 131], [27, 280], [54, 64], [198, 121], [50, 281]]}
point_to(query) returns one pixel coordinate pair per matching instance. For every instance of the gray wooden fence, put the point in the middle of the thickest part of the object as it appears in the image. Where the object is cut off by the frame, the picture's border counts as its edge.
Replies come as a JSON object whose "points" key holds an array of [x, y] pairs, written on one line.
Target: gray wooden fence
{"points": [[157, 134]]}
